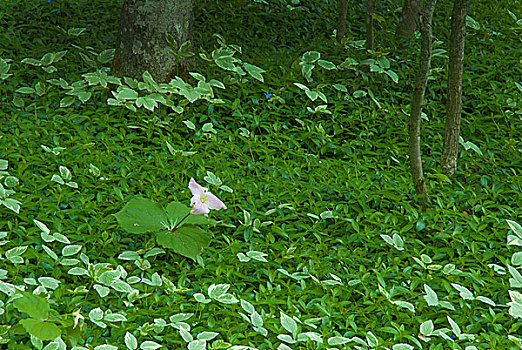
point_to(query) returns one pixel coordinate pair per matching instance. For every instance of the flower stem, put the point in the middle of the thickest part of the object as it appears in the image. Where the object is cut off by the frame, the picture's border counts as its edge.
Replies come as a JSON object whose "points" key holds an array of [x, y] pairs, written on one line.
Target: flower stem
{"points": [[180, 222]]}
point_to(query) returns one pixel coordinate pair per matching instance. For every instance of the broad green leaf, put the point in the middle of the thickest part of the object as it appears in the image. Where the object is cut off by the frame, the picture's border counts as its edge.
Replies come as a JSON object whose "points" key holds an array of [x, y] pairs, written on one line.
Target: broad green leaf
{"points": [[326, 64], [33, 305], [340, 87], [338, 340], [216, 290], [454, 326], [26, 90], [254, 71], [114, 317], [102, 291], [394, 77], [289, 324], [149, 345], [516, 259], [176, 212], [106, 56], [515, 227], [465, 293], [49, 282], [207, 335], [43, 330], [311, 56], [126, 93], [50, 252], [71, 249], [426, 328], [470, 22], [402, 347], [188, 240], [66, 101], [131, 341], [78, 271], [106, 347], [141, 215], [32, 62], [430, 297]]}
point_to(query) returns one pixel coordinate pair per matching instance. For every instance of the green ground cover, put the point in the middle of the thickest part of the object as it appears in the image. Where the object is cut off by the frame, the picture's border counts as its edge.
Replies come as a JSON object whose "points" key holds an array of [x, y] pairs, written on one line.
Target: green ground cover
{"points": [[321, 245]]}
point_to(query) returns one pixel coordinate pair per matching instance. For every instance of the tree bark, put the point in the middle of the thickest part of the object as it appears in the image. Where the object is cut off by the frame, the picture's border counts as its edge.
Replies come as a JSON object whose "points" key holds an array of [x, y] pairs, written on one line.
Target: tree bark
{"points": [[410, 15], [341, 20], [454, 102], [141, 44], [417, 102], [369, 25]]}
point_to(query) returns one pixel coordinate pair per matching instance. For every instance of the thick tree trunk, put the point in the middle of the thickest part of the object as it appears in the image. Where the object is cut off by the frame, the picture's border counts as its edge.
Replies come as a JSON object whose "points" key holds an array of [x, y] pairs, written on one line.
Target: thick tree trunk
{"points": [[410, 15], [417, 102], [454, 101], [341, 20], [141, 44], [369, 25]]}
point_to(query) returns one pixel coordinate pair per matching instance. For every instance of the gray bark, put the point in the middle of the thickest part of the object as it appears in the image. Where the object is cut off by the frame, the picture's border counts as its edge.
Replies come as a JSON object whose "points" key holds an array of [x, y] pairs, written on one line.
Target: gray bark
{"points": [[141, 45], [341, 20], [369, 25], [454, 101], [417, 102], [410, 15]]}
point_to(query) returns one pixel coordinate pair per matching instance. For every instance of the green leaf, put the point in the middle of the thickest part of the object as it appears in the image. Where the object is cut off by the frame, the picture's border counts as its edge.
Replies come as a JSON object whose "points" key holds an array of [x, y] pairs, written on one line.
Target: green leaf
{"points": [[131, 341], [43, 330], [254, 71], [141, 215], [32, 62], [516, 259], [470, 22], [326, 64], [430, 297], [66, 101], [106, 56], [426, 328], [33, 305], [394, 77], [177, 211], [188, 240], [311, 56], [71, 249], [75, 31], [289, 324], [26, 90]]}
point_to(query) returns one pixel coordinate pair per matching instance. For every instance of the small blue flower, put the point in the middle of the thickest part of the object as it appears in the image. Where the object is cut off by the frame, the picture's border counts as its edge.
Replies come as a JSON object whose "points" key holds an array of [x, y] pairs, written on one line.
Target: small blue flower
{"points": [[50, 1], [268, 95]]}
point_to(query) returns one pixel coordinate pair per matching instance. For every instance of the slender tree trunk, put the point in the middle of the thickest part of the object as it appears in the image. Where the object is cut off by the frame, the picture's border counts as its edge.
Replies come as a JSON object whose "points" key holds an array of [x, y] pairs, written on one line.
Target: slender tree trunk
{"points": [[141, 44], [341, 20], [369, 25], [454, 101], [410, 15], [417, 102]]}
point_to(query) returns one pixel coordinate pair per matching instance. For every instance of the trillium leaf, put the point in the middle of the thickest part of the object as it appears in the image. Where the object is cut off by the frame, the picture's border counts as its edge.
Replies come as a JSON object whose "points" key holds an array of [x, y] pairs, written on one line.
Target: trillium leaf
{"points": [[41, 329], [141, 215], [176, 211], [33, 305], [188, 240]]}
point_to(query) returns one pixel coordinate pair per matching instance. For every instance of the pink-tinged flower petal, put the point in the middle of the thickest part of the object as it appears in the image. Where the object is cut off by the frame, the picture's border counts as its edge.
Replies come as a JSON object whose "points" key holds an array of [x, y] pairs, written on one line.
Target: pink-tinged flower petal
{"points": [[196, 188], [202, 200], [214, 202], [198, 207]]}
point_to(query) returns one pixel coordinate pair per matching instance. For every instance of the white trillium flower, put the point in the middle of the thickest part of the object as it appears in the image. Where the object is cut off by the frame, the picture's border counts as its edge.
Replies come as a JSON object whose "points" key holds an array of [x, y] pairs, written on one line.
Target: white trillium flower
{"points": [[202, 200]]}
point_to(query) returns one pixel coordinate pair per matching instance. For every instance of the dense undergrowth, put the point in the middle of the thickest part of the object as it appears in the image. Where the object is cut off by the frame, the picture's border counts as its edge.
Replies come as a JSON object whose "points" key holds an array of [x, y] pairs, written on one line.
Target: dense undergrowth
{"points": [[325, 195]]}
